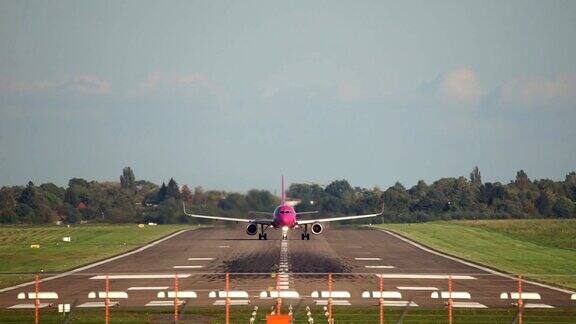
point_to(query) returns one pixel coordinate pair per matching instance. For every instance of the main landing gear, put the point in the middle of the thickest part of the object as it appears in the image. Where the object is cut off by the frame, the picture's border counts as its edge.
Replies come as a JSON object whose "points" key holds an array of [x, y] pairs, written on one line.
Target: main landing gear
{"points": [[262, 235], [305, 235]]}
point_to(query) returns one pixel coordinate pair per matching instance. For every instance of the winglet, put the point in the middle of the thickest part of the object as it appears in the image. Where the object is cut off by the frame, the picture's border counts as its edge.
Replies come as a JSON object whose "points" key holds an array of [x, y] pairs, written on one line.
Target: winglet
{"points": [[184, 207]]}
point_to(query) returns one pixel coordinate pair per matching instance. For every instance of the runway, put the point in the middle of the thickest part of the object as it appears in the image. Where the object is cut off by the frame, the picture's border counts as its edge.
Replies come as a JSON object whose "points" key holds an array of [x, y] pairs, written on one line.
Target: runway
{"points": [[412, 275]]}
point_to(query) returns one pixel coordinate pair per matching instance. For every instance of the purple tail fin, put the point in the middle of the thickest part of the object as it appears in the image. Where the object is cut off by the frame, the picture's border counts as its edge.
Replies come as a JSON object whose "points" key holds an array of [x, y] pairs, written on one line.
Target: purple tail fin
{"points": [[282, 193]]}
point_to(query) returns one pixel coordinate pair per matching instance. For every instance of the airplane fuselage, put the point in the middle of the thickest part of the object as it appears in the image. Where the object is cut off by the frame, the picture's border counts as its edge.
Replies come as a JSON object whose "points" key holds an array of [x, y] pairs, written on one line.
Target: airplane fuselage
{"points": [[284, 217]]}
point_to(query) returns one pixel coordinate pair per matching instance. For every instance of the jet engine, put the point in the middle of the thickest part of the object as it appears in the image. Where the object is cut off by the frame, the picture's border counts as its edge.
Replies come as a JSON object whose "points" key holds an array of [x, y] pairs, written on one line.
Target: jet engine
{"points": [[316, 228], [251, 229]]}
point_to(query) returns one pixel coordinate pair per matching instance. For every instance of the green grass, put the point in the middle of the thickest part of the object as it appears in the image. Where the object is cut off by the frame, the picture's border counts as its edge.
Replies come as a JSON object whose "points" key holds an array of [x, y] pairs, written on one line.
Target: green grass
{"points": [[543, 250], [89, 243], [341, 315]]}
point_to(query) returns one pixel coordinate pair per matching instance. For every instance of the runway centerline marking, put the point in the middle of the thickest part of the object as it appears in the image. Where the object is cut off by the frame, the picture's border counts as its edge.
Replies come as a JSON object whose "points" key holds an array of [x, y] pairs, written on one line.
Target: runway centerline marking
{"points": [[379, 267], [368, 259], [188, 267]]}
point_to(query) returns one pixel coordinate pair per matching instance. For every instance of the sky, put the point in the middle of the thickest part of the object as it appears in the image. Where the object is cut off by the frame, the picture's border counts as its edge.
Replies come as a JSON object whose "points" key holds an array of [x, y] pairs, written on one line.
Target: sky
{"points": [[232, 94]]}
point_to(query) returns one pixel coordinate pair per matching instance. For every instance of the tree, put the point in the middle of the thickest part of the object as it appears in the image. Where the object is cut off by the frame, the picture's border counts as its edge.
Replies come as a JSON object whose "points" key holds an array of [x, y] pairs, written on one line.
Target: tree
{"points": [[522, 180], [475, 177], [172, 190], [28, 195], [338, 188], [564, 208], [162, 193], [186, 194], [128, 180]]}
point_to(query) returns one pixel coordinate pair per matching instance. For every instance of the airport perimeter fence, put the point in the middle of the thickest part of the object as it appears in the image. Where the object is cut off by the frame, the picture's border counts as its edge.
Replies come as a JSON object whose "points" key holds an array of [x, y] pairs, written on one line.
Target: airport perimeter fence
{"points": [[190, 296]]}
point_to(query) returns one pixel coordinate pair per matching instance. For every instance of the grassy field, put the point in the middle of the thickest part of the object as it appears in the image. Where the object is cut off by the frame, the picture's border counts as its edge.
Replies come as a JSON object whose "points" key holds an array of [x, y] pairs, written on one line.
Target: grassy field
{"points": [[341, 315], [543, 250], [89, 243]]}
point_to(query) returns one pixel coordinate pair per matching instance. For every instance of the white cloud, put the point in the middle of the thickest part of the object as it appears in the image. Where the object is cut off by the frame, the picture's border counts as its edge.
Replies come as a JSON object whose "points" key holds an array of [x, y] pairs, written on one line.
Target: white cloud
{"points": [[349, 92], [81, 84], [461, 85], [89, 85], [539, 92]]}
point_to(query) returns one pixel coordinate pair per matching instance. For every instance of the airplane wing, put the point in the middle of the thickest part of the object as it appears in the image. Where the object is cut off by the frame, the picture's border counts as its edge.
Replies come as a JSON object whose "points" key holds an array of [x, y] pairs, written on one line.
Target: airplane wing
{"points": [[232, 219], [334, 219], [308, 212]]}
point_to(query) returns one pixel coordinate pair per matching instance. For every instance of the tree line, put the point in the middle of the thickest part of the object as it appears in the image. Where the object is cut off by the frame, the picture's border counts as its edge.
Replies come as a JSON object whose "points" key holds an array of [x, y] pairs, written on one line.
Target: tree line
{"points": [[130, 200]]}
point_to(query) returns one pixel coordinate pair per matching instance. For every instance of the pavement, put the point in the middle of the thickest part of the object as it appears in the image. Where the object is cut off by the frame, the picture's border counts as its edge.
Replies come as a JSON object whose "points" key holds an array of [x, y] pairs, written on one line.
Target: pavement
{"points": [[357, 258]]}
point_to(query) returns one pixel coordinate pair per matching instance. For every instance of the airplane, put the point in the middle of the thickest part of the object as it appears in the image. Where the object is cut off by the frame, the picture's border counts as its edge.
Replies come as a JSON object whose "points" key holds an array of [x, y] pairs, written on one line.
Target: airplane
{"points": [[284, 217]]}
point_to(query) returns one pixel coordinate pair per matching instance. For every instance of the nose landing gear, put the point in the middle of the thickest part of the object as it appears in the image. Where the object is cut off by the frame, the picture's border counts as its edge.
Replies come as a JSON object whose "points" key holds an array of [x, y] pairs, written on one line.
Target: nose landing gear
{"points": [[262, 236]]}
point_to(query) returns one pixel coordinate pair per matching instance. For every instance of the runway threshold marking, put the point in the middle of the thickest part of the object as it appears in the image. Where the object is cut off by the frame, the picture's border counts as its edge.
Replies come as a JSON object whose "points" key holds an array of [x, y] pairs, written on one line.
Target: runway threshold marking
{"points": [[142, 276], [423, 276]]}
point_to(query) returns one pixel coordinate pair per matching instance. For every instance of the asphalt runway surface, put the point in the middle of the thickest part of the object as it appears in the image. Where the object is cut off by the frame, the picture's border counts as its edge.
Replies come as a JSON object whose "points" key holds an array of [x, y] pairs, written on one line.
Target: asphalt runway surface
{"points": [[412, 275]]}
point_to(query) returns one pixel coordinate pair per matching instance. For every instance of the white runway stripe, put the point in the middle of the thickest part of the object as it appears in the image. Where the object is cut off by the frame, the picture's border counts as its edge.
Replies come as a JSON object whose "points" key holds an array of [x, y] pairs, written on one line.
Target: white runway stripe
{"points": [[422, 276], [416, 288], [458, 304], [148, 288], [163, 303], [529, 305], [233, 302], [28, 306], [334, 302], [98, 304], [368, 259], [188, 267], [379, 267], [399, 303], [143, 276]]}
